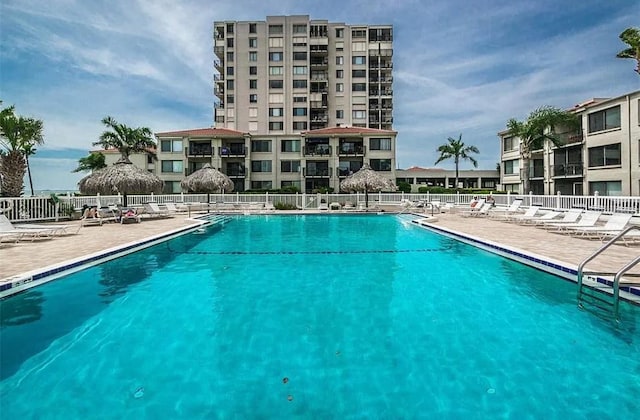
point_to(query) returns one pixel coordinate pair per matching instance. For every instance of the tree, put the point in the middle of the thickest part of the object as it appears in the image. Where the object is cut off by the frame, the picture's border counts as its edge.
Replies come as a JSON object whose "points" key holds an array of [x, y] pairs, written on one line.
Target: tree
{"points": [[18, 137], [457, 150], [631, 37], [539, 127], [125, 139], [92, 162]]}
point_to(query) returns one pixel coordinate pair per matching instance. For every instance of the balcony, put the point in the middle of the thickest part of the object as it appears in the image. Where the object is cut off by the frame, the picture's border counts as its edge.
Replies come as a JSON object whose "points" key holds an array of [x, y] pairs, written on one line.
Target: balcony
{"points": [[351, 150], [567, 139], [317, 150], [199, 150], [536, 172], [236, 172], [568, 170], [232, 150], [316, 172]]}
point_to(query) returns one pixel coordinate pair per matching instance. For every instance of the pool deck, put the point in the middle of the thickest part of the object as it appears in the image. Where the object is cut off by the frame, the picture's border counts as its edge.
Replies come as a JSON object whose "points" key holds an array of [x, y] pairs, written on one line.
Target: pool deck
{"points": [[28, 257]]}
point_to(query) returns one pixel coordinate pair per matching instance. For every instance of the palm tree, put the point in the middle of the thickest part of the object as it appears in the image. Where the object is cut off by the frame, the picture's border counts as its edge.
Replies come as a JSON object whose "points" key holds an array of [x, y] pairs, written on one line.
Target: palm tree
{"points": [[18, 138], [631, 37], [539, 126], [92, 162], [125, 139], [457, 150]]}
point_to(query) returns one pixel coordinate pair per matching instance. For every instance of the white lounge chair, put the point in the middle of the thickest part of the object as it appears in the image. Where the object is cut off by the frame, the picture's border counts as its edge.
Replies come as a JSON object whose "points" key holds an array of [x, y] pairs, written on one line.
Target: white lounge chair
{"points": [[588, 218], [616, 223], [154, 210], [34, 233], [529, 214], [513, 208], [570, 216], [176, 208], [55, 229], [90, 218], [482, 211], [548, 216]]}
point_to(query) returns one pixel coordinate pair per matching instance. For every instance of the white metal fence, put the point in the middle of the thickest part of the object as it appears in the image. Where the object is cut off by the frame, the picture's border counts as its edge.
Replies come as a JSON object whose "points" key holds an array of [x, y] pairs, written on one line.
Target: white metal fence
{"points": [[64, 207]]}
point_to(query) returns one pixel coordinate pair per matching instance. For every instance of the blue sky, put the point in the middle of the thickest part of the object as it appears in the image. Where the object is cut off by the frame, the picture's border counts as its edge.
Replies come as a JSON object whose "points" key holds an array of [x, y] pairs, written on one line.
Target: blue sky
{"points": [[460, 66]]}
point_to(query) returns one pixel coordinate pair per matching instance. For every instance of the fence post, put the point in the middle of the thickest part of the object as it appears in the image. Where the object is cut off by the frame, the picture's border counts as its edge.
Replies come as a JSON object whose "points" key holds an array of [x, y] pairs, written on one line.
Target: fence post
{"points": [[558, 200]]}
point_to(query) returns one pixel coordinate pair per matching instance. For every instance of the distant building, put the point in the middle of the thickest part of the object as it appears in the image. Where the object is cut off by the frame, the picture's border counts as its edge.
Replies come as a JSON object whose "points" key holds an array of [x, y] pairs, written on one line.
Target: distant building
{"points": [[301, 103], [603, 156], [437, 177]]}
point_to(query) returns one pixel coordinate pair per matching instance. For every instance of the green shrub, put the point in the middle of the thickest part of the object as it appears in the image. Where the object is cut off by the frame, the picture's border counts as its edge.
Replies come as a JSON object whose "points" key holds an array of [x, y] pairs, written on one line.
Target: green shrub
{"points": [[284, 206]]}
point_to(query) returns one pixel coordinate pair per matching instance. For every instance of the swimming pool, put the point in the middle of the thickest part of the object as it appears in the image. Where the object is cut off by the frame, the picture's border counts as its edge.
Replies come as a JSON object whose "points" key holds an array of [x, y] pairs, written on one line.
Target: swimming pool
{"points": [[323, 316]]}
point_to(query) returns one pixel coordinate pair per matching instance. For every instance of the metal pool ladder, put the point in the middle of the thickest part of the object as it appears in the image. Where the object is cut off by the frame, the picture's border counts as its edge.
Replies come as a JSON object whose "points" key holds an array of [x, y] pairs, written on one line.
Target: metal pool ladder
{"points": [[607, 296]]}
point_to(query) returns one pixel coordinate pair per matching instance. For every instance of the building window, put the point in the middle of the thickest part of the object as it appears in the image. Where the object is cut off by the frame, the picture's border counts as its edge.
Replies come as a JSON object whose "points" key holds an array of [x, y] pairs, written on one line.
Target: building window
{"points": [[358, 33], [231, 99], [253, 56], [299, 99], [299, 29], [276, 42], [299, 112], [299, 69], [339, 60], [230, 84], [605, 188], [261, 185], [230, 28], [509, 143], [340, 114], [299, 55], [299, 41], [230, 57], [339, 32], [380, 144], [604, 120], [275, 112], [275, 84], [359, 115], [511, 167], [358, 73], [276, 98], [261, 166], [171, 166], [608, 155], [275, 29], [514, 188], [253, 42], [171, 146], [230, 71], [339, 74], [299, 125], [358, 87], [229, 42], [171, 187], [290, 146], [359, 46], [260, 145], [253, 112], [253, 70], [339, 87], [275, 70], [253, 28], [290, 166], [275, 56], [380, 164], [253, 98], [253, 84], [299, 84], [275, 125], [358, 59]]}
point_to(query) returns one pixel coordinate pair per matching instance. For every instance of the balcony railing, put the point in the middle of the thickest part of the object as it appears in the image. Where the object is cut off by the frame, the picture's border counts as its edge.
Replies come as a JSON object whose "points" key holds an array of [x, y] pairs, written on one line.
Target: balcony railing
{"points": [[232, 150], [351, 150], [199, 151], [317, 150], [570, 138], [323, 173], [568, 169]]}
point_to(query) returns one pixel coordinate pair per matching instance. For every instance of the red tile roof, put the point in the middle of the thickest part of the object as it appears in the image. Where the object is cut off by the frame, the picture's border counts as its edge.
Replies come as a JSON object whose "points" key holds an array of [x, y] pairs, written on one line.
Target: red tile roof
{"points": [[418, 168], [348, 130], [202, 132]]}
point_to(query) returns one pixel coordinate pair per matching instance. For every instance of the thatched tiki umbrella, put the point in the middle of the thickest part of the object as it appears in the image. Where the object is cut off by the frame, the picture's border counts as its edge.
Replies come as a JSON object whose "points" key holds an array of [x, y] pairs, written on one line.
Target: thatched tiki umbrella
{"points": [[366, 179], [122, 177], [207, 180]]}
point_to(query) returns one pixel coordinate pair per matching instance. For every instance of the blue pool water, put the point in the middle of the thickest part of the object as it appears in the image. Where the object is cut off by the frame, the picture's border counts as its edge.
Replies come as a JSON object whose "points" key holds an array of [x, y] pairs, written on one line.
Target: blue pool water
{"points": [[314, 317]]}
